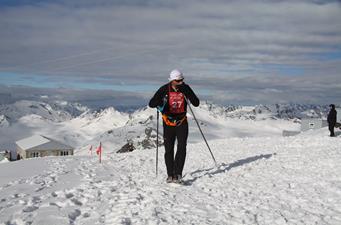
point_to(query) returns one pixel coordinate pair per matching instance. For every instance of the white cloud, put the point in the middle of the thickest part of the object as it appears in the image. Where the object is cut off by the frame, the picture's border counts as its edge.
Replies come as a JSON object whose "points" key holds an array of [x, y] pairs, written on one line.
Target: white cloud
{"points": [[141, 41]]}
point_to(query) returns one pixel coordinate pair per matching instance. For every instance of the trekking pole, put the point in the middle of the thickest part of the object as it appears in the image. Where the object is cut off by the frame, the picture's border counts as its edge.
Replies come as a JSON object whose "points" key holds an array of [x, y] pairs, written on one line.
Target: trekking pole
{"points": [[201, 132], [157, 141]]}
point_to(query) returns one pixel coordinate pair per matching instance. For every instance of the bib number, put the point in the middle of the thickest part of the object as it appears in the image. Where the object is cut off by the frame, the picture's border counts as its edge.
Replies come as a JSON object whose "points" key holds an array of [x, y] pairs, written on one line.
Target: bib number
{"points": [[176, 102]]}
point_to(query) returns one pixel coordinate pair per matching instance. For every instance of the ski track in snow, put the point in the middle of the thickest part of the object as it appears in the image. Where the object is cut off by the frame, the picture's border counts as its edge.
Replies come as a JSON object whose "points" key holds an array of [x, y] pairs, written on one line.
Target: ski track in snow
{"points": [[294, 180]]}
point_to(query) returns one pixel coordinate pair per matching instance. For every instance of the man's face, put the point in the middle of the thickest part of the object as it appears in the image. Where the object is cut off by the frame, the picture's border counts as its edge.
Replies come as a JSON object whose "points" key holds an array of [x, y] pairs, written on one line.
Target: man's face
{"points": [[177, 82]]}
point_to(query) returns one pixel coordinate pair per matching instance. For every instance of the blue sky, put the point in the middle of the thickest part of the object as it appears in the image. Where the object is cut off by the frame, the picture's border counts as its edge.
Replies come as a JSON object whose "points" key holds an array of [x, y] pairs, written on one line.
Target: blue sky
{"points": [[40, 81], [229, 51]]}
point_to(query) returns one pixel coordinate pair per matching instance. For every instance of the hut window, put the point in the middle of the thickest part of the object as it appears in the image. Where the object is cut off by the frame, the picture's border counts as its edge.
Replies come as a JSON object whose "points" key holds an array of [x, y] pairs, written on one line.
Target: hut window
{"points": [[34, 154], [64, 153]]}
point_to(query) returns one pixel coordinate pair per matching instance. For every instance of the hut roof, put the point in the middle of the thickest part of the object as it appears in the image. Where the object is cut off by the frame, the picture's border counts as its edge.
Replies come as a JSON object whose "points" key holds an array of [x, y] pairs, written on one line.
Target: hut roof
{"points": [[38, 142]]}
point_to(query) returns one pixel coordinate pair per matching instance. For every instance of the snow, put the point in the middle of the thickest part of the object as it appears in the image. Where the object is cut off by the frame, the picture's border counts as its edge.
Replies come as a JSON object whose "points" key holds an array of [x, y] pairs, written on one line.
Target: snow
{"points": [[3, 160], [259, 180], [31, 142]]}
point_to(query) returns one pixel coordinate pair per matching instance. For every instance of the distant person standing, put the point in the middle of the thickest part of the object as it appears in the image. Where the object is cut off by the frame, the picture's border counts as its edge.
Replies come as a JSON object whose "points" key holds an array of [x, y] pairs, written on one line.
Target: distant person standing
{"points": [[170, 100], [332, 119]]}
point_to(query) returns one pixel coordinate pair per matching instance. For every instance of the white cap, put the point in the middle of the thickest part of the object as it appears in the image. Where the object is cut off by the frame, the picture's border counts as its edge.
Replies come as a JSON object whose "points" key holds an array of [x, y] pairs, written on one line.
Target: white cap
{"points": [[175, 75]]}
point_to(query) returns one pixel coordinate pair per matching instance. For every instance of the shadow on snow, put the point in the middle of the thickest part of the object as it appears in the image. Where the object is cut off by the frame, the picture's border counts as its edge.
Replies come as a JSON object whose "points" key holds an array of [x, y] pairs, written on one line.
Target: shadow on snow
{"points": [[223, 167]]}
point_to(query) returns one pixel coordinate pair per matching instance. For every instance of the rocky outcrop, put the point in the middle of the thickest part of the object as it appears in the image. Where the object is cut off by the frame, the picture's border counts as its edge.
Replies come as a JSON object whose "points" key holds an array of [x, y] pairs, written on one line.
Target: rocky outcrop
{"points": [[129, 147], [148, 141]]}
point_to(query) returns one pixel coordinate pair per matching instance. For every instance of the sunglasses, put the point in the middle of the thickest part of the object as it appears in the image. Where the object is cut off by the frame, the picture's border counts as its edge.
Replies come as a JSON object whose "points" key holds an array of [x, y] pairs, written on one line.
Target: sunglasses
{"points": [[179, 80]]}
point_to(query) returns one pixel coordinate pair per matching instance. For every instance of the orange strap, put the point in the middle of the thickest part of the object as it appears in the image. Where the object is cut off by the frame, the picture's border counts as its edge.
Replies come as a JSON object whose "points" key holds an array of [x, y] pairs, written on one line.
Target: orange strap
{"points": [[174, 123]]}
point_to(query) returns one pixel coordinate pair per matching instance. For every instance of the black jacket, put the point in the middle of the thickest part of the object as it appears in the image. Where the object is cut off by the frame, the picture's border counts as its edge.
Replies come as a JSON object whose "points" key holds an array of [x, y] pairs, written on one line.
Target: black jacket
{"points": [[161, 99], [332, 117]]}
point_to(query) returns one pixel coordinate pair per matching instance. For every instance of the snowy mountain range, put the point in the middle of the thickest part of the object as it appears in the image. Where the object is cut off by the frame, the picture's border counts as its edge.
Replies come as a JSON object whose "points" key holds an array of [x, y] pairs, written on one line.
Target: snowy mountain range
{"points": [[276, 111], [81, 127], [58, 111]]}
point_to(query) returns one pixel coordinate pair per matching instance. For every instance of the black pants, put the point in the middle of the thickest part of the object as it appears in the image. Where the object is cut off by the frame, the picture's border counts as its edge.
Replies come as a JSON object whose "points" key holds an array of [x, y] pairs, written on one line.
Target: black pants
{"points": [[175, 165], [331, 129]]}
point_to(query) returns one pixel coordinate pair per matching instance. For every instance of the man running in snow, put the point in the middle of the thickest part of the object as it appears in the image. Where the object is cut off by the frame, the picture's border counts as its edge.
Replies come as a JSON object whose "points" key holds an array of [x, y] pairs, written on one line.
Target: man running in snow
{"points": [[332, 119], [171, 102]]}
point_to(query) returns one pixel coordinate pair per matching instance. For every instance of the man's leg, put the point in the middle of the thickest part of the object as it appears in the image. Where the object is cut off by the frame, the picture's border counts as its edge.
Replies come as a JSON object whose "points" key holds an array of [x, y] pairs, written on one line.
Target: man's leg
{"points": [[169, 139], [181, 135], [331, 129]]}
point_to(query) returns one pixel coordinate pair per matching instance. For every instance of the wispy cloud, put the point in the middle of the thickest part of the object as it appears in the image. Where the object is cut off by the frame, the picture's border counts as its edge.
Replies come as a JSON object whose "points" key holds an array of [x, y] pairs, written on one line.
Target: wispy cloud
{"points": [[276, 49]]}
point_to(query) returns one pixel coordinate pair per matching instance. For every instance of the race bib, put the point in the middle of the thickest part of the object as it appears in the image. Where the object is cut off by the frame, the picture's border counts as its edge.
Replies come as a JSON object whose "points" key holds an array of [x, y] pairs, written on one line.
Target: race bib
{"points": [[176, 102]]}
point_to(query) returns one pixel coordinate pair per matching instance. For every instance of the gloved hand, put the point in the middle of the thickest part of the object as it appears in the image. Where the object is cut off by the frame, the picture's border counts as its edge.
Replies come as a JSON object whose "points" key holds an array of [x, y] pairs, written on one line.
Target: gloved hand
{"points": [[164, 100], [161, 106], [184, 88]]}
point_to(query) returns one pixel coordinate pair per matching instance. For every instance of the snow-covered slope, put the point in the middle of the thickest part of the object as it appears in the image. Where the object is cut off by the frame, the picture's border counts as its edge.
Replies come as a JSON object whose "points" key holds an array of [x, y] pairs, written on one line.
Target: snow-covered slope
{"points": [[259, 180], [139, 130], [96, 122], [28, 118]]}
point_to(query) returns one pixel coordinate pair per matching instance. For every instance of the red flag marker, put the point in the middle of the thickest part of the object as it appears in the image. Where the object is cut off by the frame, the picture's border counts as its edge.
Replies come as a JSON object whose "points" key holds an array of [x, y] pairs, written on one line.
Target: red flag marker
{"points": [[99, 152]]}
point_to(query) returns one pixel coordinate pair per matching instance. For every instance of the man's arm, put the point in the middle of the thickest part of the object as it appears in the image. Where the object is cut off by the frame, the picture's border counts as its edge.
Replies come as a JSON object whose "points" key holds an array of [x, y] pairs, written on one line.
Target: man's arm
{"points": [[157, 99], [189, 93]]}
